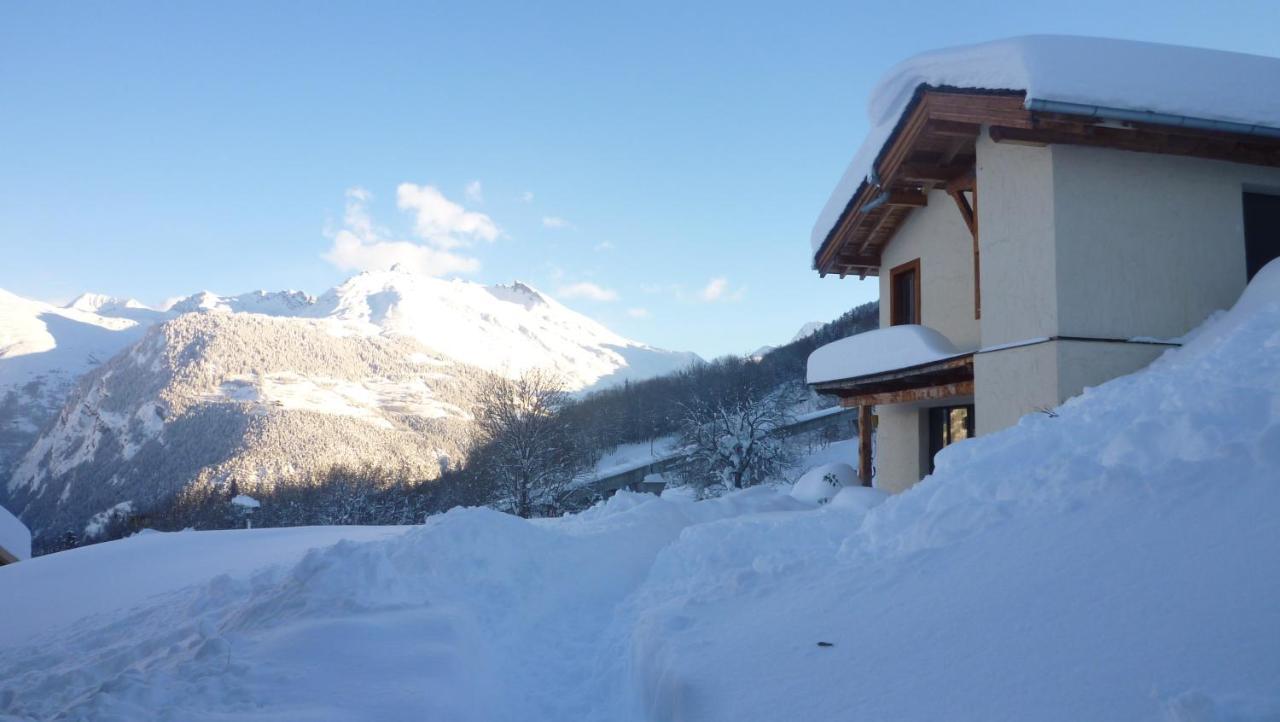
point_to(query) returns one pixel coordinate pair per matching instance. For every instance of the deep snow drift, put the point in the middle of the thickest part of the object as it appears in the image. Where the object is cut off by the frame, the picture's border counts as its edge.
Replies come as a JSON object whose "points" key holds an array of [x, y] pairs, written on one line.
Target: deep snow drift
{"points": [[1116, 561]]}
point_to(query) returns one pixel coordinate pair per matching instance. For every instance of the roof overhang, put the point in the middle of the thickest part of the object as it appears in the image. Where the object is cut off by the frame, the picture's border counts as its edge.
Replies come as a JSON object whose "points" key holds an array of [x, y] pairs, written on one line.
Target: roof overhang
{"points": [[933, 146], [941, 379]]}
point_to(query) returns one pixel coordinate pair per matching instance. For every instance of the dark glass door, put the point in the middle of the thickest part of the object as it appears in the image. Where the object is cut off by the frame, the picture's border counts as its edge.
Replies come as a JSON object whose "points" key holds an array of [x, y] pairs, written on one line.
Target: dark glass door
{"points": [[947, 425], [1261, 231]]}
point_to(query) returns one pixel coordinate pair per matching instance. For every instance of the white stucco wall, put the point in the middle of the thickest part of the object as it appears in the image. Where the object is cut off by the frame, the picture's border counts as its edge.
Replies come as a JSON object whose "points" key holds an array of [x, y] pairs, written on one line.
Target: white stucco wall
{"points": [[1147, 245], [1012, 383], [1074, 242], [898, 447], [1016, 218], [938, 236], [1083, 364]]}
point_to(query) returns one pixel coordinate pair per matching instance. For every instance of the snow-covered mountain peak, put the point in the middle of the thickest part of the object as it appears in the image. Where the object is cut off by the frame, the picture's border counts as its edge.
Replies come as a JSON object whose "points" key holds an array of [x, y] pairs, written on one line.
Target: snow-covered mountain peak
{"points": [[808, 330], [518, 292], [502, 328], [271, 303], [101, 303]]}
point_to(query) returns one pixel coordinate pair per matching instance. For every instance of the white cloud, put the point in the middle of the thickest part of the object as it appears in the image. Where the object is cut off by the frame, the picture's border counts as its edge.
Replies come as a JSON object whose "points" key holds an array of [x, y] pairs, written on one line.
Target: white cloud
{"points": [[714, 289], [475, 192], [717, 289], [604, 246], [361, 245], [526, 197], [638, 312], [586, 289], [555, 222], [441, 222]]}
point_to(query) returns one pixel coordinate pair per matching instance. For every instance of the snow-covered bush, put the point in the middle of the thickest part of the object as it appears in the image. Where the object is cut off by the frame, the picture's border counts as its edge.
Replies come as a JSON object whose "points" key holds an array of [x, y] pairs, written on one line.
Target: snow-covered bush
{"points": [[821, 484]]}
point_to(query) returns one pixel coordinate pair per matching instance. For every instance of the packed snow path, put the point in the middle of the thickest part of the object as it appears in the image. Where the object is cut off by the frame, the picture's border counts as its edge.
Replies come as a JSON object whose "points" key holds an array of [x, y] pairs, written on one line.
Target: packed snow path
{"points": [[1115, 561]]}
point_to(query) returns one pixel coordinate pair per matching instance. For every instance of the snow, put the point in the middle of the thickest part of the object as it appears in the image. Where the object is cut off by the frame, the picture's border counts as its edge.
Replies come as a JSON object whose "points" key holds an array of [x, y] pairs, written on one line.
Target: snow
{"points": [[52, 592], [1112, 562], [884, 349], [808, 330], [1122, 74], [805, 331], [104, 305], [505, 329], [15, 538], [821, 484], [371, 399], [245, 501], [626, 457], [98, 522]]}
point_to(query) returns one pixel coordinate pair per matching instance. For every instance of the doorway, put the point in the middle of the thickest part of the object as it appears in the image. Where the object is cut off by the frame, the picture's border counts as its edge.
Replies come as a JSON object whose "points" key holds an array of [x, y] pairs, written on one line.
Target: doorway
{"points": [[947, 425]]}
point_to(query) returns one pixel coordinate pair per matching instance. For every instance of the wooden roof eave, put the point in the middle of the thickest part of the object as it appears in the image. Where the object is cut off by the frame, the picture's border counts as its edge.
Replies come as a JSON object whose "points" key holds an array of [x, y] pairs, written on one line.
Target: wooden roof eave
{"points": [[932, 112], [944, 378]]}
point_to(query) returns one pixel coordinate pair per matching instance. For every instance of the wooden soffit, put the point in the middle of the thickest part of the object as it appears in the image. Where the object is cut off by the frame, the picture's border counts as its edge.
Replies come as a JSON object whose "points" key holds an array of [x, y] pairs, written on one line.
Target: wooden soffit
{"points": [[942, 379], [932, 147]]}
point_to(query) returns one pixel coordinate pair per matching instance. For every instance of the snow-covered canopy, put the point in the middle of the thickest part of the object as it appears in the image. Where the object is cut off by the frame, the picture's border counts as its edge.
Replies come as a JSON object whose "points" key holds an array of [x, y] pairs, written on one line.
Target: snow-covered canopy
{"points": [[877, 351], [1118, 74], [245, 501], [15, 538]]}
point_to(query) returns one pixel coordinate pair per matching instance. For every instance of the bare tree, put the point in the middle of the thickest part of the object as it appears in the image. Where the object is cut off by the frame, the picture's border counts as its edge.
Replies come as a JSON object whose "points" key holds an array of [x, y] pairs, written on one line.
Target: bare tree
{"points": [[733, 435], [528, 451]]}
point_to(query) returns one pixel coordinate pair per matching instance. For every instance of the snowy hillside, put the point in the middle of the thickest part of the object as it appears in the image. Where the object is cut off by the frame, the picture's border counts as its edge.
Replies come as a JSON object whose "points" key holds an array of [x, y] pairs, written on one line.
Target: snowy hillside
{"points": [[44, 349], [207, 398], [1114, 561]]}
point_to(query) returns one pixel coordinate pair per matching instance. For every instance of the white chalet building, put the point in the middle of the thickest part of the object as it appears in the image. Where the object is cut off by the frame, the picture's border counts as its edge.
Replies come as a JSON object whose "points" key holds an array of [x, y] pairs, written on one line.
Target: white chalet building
{"points": [[1044, 214]]}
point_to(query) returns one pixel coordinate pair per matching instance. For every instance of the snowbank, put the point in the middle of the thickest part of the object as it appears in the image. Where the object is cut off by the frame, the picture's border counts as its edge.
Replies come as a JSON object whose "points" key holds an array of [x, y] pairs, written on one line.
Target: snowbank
{"points": [[15, 538], [1123, 74], [872, 352], [1115, 562]]}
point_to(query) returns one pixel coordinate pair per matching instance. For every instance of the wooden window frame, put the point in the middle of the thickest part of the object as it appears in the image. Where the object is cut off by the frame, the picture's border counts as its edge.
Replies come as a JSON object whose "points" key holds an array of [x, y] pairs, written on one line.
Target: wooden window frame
{"points": [[908, 267]]}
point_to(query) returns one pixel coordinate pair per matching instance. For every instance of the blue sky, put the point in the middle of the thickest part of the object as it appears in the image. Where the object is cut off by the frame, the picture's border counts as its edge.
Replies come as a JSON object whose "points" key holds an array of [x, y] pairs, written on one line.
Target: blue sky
{"points": [[658, 166]]}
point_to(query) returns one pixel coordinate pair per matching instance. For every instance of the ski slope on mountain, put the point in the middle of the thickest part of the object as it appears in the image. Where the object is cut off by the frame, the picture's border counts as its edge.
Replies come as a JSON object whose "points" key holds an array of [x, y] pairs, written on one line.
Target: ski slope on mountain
{"points": [[1114, 561]]}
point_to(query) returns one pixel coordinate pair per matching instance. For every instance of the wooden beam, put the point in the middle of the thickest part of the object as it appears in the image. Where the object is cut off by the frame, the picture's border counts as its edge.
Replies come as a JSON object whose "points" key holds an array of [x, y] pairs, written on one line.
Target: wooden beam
{"points": [[907, 396], [977, 258], [1238, 149], [966, 211], [864, 444], [928, 173], [1005, 109], [907, 199], [953, 129]]}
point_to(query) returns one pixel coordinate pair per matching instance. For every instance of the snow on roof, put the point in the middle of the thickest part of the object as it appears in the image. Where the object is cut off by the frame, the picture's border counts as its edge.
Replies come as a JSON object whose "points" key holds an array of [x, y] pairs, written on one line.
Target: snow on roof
{"points": [[15, 538], [245, 501], [1120, 74], [877, 351]]}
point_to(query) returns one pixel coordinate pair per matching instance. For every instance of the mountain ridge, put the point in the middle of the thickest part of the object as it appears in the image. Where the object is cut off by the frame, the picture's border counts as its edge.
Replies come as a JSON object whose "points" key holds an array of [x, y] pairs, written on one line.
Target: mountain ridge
{"points": [[100, 396]]}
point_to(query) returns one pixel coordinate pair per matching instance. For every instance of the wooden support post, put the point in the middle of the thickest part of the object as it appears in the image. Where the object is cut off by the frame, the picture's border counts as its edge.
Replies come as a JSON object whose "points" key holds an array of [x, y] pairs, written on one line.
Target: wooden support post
{"points": [[864, 444]]}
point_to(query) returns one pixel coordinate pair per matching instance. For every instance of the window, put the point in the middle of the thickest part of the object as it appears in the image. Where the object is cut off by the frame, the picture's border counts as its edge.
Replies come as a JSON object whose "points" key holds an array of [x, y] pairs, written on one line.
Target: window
{"points": [[947, 425], [904, 293], [1261, 231]]}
